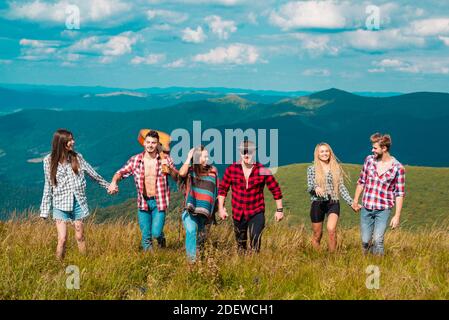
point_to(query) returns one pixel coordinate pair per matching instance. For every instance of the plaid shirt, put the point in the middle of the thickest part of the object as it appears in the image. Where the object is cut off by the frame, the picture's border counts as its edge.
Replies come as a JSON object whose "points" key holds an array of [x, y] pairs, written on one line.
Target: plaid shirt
{"points": [[135, 166], [247, 202], [329, 188], [68, 185], [380, 192]]}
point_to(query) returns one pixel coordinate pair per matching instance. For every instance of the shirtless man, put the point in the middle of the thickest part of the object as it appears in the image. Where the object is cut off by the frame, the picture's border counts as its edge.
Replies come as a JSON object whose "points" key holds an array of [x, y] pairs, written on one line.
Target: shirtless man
{"points": [[153, 192]]}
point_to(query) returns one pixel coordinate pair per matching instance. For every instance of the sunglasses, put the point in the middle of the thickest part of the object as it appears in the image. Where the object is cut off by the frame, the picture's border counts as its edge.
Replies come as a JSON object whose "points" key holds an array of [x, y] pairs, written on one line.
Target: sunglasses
{"points": [[247, 152]]}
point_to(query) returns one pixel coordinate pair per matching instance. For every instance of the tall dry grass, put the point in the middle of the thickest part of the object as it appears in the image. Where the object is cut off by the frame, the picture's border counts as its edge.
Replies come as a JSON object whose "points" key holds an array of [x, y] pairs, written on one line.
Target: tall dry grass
{"points": [[416, 265]]}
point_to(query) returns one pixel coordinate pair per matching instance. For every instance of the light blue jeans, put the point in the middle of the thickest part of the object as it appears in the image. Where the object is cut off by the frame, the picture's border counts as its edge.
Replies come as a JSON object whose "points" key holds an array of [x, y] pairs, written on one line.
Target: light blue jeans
{"points": [[195, 232], [151, 225], [373, 224], [75, 215]]}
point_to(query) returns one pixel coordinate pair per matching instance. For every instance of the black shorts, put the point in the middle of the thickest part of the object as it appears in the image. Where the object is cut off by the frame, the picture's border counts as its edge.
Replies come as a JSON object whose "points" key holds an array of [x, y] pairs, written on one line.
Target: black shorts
{"points": [[320, 209]]}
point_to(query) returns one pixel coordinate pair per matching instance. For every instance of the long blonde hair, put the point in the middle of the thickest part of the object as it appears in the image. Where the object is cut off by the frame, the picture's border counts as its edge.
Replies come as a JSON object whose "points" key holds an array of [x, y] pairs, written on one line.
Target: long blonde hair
{"points": [[336, 169]]}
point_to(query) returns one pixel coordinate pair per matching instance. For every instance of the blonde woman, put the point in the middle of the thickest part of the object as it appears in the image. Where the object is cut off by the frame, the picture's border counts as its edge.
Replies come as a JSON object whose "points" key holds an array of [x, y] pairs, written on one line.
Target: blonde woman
{"points": [[325, 182]]}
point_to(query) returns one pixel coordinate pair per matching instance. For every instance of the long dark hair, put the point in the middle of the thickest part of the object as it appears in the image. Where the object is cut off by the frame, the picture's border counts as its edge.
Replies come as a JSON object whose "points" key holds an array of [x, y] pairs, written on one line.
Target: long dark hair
{"points": [[197, 167], [60, 154]]}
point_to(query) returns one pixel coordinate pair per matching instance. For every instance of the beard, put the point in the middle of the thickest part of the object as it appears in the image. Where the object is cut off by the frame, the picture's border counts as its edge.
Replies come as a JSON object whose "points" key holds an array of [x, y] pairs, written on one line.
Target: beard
{"points": [[377, 156]]}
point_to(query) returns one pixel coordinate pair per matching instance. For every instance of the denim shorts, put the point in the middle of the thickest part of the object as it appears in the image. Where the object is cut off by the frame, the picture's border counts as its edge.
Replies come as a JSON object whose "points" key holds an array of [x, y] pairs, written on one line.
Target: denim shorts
{"points": [[76, 214]]}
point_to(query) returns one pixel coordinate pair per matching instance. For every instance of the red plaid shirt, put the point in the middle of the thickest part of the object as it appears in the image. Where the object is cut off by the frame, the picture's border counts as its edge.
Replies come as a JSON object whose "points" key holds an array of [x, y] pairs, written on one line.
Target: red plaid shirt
{"points": [[247, 202], [380, 192], [135, 167]]}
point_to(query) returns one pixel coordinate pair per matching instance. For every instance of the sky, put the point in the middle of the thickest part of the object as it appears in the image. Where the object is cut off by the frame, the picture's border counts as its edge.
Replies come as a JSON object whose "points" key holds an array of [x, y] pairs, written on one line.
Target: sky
{"points": [[393, 46]]}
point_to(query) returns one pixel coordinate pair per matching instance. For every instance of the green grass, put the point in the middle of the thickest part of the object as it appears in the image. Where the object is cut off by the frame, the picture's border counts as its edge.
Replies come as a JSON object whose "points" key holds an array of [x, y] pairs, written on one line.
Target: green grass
{"points": [[415, 265]]}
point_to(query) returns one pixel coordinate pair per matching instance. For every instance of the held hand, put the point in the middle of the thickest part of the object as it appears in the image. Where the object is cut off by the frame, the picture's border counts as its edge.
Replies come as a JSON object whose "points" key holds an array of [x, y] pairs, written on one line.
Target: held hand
{"points": [[356, 207], [164, 162], [278, 216], [113, 188], [222, 214], [319, 192], [394, 223]]}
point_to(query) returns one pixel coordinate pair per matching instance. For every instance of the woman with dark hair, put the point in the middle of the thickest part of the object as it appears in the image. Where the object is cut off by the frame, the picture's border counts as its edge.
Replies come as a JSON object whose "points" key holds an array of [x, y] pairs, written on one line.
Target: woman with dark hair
{"points": [[65, 189], [201, 185]]}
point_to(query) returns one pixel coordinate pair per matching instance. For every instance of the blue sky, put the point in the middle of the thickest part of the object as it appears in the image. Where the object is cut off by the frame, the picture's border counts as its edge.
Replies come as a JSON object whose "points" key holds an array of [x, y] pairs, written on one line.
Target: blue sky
{"points": [[264, 44]]}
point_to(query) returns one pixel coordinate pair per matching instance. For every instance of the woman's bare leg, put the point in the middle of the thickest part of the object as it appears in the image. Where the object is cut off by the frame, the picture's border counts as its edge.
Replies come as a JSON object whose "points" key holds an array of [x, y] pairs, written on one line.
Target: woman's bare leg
{"points": [[79, 236], [317, 229], [61, 227], [332, 221]]}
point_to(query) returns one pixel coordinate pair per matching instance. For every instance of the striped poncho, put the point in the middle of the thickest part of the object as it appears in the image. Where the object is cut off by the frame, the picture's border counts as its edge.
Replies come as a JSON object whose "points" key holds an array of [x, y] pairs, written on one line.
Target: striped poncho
{"points": [[202, 192]]}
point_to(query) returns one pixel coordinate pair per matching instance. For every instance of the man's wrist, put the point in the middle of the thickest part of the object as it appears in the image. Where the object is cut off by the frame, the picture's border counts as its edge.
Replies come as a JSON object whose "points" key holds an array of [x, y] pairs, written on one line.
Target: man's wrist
{"points": [[281, 209]]}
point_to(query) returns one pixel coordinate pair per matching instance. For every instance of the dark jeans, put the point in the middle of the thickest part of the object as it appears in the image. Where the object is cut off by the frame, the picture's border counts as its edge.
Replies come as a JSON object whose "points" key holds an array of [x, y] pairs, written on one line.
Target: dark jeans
{"points": [[255, 225]]}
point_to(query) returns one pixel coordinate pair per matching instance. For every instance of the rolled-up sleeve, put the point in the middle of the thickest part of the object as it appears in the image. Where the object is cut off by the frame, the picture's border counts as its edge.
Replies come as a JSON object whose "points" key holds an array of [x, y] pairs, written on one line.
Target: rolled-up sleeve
{"points": [[225, 183], [47, 195], [399, 189], [92, 173], [273, 185], [127, 169]]}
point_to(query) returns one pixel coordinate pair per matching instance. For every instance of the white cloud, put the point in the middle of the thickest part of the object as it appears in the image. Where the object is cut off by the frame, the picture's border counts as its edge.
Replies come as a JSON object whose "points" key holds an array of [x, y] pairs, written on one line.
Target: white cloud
{"points": [[167, 16], [427, 65], [316, 45], [110, 46], [194, 36], [382, 40], [149, 59], [430, 27], [234, 54], [317, 72], [220, 27], [310, 15], [36, 50], [55, 12], [252, 18], [176, 64], [389, 63], [445, 40], [212, 2]]}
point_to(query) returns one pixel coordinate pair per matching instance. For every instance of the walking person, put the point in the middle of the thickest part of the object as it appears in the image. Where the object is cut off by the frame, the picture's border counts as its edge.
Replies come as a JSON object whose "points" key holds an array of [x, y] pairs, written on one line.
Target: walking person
{"points": [[65, 189], [325, 181], [247, 178], [382, 181], [150, 173], [201, 183]]}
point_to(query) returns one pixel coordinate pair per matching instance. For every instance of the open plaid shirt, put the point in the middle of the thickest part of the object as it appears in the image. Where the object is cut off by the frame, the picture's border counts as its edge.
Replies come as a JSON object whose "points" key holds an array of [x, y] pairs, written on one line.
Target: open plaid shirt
{"points": [[68, 185], [331, 194], [380, 192], [247, 202], [135, 166]]}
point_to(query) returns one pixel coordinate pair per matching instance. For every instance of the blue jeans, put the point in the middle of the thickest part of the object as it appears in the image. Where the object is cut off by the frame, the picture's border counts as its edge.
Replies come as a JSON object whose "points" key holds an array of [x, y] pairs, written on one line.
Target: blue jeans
{"points": [[195, 232], [151, 225], [373, 224]]}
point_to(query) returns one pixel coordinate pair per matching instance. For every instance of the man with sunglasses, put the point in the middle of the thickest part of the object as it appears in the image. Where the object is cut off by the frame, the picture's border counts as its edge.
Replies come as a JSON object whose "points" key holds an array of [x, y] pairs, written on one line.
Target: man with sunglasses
{"points": [[248, 179]]}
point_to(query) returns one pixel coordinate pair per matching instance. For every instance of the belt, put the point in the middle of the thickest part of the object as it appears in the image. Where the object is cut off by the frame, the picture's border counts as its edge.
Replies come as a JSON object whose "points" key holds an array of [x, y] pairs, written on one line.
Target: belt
{"points": [[149, 198]]}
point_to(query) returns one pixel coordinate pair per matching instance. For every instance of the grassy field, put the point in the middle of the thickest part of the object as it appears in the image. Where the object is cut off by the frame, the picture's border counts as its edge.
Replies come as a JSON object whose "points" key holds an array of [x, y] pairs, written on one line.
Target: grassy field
{"points": [[416, 265]]}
